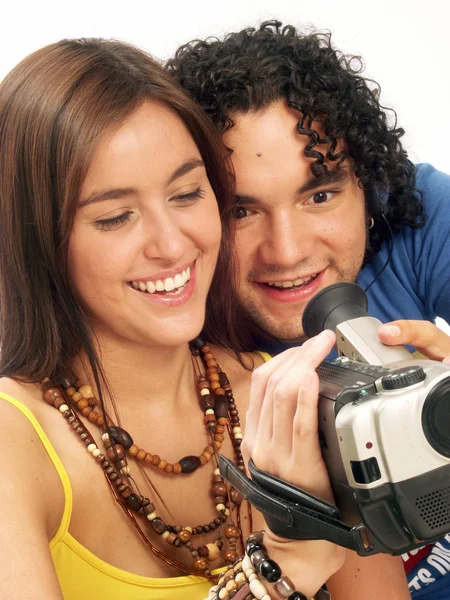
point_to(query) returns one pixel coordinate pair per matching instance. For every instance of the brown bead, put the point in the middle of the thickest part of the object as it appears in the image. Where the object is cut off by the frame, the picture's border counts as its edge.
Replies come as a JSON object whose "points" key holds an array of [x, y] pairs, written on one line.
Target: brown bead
{"points": [[126, 493], [220, 429], [141, 454], [219, 500], [209, 419], [162, 464], [200, 564], [51, 394], [236, 496], [221, 409], [134, 502], [219, 437], [219, 489], [214, 377], [120, 436], [86, 411], [189, 464], [158, 525], [214, 385], [203, 551], [155, 460], [219, 392], [93, 417], [70, 390], [58, 402], [203, 460], [133, 450], [168, 468], [100, 420], [171, 538], [206, 348], [184, 535], [176, 468], [76, 397], [222, 421], [148, 458], [230, 557], [116, 452], [223, 379]]}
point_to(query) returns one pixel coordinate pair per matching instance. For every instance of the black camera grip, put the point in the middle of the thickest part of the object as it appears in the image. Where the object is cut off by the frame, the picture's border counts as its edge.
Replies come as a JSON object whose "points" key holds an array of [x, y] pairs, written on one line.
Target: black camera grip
{"points": [[293, 513]]}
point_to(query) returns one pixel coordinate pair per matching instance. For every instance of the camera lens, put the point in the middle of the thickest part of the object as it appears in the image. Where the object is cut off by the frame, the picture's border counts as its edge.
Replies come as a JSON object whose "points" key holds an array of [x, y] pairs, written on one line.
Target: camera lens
{"points": [[436, 417]]}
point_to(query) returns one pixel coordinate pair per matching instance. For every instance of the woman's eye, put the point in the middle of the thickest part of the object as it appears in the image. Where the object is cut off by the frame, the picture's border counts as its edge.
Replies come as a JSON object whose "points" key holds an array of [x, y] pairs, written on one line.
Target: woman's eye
{"points": [[190, 196], [320, 197], [114, 222], [239, 212]]}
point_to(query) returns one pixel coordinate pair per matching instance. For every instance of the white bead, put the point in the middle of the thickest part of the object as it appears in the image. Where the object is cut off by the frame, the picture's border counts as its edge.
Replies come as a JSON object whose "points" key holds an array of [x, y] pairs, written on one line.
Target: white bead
{"points": [[257, 589], [91, 448], [204, 391], [209, 411], [227, 512], [216, 471], [188, 528], [223, 593], [125, 470], [237, 436], [96, 453], [247, 564], [220, 507], [63, 408], [266, 597], [151, 516], [237, 430], [165, 534], [105, 437], [252, 577]]}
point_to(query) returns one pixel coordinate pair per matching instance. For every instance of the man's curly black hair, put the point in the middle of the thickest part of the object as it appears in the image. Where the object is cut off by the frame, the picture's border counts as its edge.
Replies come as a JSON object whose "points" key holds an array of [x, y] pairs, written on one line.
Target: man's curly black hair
{"points": [[250, 69]]}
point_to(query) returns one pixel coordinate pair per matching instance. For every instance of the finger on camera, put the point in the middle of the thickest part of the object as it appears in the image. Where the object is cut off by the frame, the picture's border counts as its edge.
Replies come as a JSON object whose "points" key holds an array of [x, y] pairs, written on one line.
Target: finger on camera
{"points": [[296, 381], [423, 335]]}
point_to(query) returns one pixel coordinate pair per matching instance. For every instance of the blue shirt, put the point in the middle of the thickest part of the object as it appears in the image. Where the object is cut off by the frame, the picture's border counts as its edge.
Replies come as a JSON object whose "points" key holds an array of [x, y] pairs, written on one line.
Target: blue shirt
{"points": [[414, 285]]}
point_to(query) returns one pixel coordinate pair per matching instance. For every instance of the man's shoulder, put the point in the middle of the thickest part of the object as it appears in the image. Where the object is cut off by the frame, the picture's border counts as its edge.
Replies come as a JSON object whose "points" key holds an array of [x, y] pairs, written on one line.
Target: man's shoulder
{"points": [[434, 186]]}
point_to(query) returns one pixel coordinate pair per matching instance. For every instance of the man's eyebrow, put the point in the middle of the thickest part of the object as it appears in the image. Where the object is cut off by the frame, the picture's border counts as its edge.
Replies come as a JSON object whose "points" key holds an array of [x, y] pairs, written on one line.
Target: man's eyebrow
{"points": [[117, 193], [328, 177], [338, 176]]}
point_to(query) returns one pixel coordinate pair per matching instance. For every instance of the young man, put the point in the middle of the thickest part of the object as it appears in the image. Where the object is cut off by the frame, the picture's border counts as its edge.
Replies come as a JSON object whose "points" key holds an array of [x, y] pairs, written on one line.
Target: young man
{"points": [[326, 193]]}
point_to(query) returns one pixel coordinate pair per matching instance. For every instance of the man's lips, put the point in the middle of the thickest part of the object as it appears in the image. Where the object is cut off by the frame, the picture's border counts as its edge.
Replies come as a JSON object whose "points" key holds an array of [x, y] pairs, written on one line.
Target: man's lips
{"points": [[287, 292]]}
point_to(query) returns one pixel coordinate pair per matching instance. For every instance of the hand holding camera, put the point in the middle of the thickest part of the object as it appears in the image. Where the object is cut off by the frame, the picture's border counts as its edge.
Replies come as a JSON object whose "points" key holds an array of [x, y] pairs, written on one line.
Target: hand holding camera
{"points": [[384, 430]]}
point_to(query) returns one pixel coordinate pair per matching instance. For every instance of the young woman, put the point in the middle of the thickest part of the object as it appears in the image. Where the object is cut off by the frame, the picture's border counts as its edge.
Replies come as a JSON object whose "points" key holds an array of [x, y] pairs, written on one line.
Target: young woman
{"points": [[111, 189]]}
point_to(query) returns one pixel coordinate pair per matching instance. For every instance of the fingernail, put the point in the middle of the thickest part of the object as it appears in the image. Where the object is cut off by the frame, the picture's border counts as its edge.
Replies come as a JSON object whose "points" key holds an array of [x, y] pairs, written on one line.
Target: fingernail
{"points": [[322, 338], [390, 330]]}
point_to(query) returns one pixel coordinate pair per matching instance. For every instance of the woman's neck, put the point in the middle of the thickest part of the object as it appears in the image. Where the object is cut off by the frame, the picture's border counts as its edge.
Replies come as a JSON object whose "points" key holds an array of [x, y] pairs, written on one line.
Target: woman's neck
{"points": [[137, 374]]}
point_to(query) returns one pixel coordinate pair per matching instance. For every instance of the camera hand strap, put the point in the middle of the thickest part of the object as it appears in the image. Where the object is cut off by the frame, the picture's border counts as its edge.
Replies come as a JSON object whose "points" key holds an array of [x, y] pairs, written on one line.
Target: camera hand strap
{"points": [[293, 513]]}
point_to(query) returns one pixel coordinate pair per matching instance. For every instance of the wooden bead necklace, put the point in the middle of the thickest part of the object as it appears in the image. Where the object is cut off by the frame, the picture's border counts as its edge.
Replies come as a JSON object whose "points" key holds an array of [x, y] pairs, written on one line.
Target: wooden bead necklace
{"points": [[220, 414]]}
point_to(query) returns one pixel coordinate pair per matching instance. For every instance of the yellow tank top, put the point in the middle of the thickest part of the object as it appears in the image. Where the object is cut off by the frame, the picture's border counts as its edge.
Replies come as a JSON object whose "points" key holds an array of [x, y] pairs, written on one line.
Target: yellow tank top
{"points": [[84, 576]]}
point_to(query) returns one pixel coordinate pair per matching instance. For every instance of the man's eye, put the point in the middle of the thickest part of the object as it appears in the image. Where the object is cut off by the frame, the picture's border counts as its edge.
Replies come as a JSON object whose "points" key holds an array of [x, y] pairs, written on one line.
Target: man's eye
{"points": [[320, 197], [239, 212]]}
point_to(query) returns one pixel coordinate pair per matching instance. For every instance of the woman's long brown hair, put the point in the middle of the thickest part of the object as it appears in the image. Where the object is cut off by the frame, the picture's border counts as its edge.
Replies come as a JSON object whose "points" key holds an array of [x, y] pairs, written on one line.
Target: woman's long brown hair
{"points": [[54, 107]]}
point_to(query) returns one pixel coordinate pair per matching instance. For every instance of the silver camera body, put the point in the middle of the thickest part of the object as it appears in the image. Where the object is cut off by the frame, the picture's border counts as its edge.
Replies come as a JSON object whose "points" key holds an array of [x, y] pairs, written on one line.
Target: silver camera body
{"points": [[384, 425]]}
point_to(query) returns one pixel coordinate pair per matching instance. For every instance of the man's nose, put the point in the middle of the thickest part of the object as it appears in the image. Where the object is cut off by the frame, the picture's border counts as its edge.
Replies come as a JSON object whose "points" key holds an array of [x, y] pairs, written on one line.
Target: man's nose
{"points": [[286, 241]]}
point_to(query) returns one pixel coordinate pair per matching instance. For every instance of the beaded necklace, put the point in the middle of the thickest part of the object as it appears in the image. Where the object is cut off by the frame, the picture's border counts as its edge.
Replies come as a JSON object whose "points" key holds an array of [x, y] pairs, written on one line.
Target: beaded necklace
{"points": [[220, 415]]}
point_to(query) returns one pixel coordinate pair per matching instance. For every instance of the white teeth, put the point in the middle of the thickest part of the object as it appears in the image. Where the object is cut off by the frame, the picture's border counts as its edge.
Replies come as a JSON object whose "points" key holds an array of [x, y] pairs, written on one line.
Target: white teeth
{"points": [[179, 280], [168, 285], [288, 284]]}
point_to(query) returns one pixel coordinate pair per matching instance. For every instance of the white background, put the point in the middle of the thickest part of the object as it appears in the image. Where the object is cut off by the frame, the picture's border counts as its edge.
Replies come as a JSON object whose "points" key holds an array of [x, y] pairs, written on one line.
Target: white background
{"points": [[405, 44]]}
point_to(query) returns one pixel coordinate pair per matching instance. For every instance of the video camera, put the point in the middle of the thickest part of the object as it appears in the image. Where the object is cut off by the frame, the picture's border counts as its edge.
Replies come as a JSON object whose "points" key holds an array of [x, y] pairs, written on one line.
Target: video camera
{"points": [[384, 427]]}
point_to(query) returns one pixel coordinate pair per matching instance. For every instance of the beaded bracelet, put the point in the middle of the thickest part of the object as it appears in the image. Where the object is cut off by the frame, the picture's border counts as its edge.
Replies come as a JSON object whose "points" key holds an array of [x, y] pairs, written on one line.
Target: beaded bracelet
{"points": [[242, 581]]}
